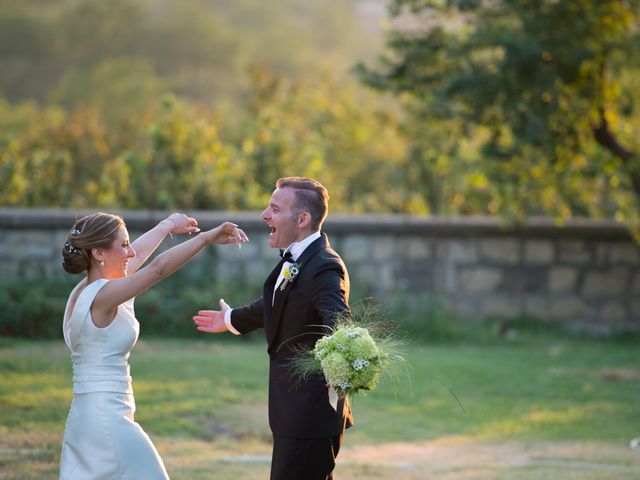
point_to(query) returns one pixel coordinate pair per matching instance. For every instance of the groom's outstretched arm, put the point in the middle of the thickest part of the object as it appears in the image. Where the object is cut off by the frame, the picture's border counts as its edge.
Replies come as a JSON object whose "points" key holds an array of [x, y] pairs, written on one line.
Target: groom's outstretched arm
{"points": [[248, 318], [212, 321], [245, 319]]}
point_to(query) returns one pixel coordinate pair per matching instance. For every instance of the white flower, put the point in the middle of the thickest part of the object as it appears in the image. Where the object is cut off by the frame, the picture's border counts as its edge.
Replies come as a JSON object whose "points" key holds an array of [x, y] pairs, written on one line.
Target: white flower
{"points": [[321, 353], [354, 332], [344, 384], [359, 364], [290, 273]]}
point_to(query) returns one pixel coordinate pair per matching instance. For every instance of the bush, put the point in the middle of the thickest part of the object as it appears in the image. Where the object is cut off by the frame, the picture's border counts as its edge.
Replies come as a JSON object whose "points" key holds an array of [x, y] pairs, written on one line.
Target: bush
{"points": [[423, 317], [34, 308]]}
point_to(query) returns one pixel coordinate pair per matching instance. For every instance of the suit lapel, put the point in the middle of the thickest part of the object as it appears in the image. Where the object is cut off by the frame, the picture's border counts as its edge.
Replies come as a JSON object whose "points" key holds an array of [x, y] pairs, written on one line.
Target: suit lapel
{"points": [[281, 296], [267, 295]]}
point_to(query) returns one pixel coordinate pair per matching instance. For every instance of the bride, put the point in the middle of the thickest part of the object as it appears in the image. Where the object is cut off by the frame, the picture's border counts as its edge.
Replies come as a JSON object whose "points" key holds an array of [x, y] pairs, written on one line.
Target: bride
{"points": [[101, 438]]}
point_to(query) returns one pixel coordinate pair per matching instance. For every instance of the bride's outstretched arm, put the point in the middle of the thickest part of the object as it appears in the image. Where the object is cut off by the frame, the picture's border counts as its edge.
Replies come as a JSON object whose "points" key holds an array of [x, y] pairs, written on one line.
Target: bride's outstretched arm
{"points": [[147, 243], [122, 289]]}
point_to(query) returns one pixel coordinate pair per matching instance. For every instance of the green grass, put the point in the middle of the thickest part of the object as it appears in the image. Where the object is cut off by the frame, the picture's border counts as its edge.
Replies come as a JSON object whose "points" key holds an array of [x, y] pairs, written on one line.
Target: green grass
{"points": [[204, 402]]}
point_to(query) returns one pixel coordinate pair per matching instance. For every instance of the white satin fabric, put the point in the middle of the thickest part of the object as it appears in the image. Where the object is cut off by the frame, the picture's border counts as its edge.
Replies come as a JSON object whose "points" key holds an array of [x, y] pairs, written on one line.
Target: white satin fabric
{"points": [[101, 438]]}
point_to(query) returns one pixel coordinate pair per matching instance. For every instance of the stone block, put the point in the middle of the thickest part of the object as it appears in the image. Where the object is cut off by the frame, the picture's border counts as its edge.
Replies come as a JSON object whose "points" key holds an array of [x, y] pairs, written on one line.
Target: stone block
{"points": [[501, 306], [447, 278], [570, 308], [500, 250], [9, 269], [416, 248], [365, 275], [385, 279], [562, 279], [573, 251], [262, 244], [608, 283], [30, 244], [480, 280], [613, 312], [356, 248], [465, 308], [231, 271], [417, 276], [59, 237], [624, 253], [29, 267], [247, 251], [635, 309], [384, 248], [538, 252], [635, 285], [257, 271], [524, 280], [602, 255], [378, 278], [461, 251], [536, 306]]}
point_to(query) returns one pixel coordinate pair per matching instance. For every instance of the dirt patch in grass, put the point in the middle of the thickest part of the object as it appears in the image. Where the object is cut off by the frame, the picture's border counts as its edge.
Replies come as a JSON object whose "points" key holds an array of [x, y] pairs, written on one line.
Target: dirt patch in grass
{"points": [[454, 458], [25, 456], [462, 459], [610, 374]]}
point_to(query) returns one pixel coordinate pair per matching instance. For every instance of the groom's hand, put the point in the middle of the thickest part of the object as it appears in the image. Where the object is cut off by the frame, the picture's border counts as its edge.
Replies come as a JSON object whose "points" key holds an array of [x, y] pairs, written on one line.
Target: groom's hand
{"points": [[212, 321]]}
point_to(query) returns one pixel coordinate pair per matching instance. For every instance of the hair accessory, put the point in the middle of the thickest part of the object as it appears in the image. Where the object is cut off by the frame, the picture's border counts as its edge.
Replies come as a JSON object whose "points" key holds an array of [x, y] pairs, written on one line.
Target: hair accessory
{"points": [[75, 231], [70, 248]]}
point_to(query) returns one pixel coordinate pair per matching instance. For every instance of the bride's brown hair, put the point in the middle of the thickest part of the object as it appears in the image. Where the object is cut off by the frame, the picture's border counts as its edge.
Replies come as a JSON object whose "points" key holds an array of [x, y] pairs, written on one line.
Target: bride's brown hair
{"points": [[98, 230]]}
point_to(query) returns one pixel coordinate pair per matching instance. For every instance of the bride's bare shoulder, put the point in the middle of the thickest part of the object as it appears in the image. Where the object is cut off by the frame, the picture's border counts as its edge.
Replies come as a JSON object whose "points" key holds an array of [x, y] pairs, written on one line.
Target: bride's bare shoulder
{"points": [[75, 293]]}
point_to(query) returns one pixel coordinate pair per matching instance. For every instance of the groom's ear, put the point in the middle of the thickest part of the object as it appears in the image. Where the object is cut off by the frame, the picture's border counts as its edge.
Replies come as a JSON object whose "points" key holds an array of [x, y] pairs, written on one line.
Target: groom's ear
{"points": [[304, 220]]}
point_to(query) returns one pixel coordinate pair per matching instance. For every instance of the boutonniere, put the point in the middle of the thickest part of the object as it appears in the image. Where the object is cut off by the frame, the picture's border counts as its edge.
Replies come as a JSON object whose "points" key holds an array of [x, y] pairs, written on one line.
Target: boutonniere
{"points": [[290, 273]]}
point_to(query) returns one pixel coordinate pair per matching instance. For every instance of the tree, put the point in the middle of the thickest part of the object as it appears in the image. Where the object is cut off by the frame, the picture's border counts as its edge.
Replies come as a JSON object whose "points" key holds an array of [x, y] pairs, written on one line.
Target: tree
{"points": [[549, 86], [64, 52], [323, 128]]}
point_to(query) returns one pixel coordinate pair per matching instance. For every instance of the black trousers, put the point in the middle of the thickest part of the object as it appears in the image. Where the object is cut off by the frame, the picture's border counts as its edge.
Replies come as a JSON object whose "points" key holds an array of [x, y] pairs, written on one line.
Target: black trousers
{"points": [[304, 458]]}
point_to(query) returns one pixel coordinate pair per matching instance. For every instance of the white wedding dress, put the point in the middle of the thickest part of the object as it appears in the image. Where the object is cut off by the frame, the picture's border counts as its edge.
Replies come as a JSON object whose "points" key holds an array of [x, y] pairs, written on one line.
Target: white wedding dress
{"points": [[101, 439]]}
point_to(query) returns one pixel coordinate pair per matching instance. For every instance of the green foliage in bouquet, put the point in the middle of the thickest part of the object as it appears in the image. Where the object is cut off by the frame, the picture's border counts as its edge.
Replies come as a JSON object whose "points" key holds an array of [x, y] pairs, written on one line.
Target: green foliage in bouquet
{"points": [[354, 356]]}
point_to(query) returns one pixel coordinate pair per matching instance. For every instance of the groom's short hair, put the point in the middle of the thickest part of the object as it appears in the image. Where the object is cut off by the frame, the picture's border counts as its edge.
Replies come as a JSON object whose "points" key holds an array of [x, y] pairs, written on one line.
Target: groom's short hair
{"points": [[310, 196]]}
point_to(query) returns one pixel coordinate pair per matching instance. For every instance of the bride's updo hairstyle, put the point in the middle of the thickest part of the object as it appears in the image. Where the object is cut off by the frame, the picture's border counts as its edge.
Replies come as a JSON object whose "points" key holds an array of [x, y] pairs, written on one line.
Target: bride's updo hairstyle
{"points": [[98, 230]]}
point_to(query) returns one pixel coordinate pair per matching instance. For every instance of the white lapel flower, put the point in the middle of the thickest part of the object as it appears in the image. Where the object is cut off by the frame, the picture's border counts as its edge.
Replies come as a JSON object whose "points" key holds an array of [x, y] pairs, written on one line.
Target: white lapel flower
{"points": [[290, 273]]}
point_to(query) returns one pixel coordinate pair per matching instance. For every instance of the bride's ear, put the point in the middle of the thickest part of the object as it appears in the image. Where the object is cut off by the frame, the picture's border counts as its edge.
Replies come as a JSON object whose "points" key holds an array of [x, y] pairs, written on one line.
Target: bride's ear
{"points": [[98, 254]]}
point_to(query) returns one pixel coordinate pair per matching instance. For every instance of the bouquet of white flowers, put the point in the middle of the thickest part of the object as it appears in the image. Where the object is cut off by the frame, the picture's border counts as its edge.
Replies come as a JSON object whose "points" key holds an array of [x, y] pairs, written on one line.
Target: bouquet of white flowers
{"points": [[351, 358]]}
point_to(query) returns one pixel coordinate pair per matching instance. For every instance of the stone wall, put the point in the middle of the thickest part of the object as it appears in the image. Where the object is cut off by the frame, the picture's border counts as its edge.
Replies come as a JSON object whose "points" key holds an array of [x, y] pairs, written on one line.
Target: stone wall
{"points": [[585, 273]]}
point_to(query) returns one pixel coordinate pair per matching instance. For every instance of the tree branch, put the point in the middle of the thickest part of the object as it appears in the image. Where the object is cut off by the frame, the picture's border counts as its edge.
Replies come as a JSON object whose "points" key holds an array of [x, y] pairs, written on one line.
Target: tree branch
{"points": [[606, 138]]}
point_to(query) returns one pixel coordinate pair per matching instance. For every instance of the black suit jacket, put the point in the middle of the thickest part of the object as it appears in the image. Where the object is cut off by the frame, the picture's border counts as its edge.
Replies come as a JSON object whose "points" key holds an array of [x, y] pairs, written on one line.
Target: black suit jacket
{"points": [[318, 293]]}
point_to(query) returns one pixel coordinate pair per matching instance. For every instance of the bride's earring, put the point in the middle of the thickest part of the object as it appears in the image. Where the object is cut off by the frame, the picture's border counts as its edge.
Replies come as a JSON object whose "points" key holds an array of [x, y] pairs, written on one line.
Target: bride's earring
{"points": [[102, 263]]}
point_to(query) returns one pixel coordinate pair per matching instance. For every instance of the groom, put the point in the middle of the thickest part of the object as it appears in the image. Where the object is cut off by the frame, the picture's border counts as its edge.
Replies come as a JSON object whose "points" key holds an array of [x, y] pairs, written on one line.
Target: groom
{"points": [[306, 418]]}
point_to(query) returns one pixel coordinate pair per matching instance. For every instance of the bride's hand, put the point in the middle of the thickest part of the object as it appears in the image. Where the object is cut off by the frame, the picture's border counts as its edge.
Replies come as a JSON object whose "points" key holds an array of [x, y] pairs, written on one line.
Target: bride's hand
{"points": [[180, 223], [226, 233]]}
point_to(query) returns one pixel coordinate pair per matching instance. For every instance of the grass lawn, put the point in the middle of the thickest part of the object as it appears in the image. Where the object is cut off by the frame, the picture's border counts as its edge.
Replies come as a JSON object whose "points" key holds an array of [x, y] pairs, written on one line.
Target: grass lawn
{"points": [[536, 408]]}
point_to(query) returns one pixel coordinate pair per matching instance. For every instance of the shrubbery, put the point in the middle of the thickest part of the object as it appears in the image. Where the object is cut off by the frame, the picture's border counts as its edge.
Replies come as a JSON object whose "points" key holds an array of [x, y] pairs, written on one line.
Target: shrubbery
{"points": [[34, 308]]}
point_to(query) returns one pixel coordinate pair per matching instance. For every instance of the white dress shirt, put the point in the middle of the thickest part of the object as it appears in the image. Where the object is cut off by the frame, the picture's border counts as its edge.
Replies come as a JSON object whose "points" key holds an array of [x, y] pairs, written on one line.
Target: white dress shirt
{"points": [[296, 249]]}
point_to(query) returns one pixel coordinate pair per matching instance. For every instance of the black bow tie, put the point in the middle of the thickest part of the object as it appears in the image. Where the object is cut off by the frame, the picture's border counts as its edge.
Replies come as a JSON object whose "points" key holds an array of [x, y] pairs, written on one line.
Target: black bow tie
{"points": [[286, 256]]}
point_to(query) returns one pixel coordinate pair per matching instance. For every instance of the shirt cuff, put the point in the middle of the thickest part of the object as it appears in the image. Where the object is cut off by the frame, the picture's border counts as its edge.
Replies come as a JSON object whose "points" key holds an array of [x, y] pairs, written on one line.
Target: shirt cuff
{"points": [[227, 322]]}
